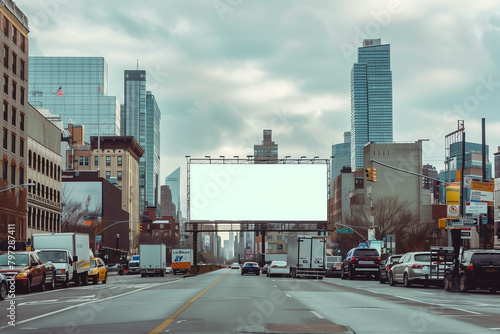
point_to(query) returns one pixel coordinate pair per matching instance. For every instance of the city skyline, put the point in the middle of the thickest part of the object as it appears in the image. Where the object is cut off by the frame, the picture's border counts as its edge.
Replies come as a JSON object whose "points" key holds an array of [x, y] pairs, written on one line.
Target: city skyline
{"points": [[221, 77]]}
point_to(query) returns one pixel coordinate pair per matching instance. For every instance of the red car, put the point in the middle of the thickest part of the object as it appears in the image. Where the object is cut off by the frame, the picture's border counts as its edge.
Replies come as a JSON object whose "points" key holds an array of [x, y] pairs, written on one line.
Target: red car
{"points": [[27, 269]]}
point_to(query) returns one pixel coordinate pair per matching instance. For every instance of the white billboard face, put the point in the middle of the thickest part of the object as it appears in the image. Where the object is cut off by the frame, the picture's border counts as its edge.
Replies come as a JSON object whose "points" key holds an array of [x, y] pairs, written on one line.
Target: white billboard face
{"points": [[258, 192]]}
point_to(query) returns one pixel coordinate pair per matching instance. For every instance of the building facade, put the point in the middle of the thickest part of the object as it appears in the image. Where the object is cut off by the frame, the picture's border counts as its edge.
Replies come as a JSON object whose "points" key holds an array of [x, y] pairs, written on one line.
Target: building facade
{"points": [[173, 180], [45, 171], [13, 196], [141, 119], [76, 88], [341, 157], [268, 150], [371, 98]]}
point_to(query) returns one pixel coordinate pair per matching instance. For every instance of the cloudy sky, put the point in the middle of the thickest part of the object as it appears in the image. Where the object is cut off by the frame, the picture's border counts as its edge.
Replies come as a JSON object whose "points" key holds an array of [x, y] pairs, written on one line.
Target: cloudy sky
{"points": [[224, 70]]}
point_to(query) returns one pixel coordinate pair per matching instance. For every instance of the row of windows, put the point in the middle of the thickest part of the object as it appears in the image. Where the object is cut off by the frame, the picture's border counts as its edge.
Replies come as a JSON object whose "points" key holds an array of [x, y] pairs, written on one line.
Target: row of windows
{"points": [[13, 142], [44, 220], [22, 91], [13, 173], [13, 116], [15, 35], [84, 161], [44, 191], [119, 175], [44, 166], [13, 64]]}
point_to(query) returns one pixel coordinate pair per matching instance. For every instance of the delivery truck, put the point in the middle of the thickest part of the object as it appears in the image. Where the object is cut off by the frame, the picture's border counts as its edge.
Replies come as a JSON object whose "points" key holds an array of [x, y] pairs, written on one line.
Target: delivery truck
{"points": [[182, 260], [152, 259], [306, 256], [70, 254]]}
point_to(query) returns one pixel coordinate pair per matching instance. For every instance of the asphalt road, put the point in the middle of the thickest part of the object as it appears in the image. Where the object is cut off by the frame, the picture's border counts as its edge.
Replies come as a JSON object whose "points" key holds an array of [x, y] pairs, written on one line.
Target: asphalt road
{"points": [[226, 302]]}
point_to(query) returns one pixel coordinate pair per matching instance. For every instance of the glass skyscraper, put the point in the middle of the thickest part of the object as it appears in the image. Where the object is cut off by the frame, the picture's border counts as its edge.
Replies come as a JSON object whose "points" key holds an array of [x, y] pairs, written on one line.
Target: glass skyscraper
{"points": [[371, 98], [174, 182], [75, 88], [141, 119]]}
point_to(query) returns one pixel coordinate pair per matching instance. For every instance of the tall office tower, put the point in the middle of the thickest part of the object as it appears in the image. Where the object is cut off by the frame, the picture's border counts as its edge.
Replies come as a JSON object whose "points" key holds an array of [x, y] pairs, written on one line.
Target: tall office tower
{"points": [[268, 150], [76, 88], [371, 98], [167, 206], [13, 197], [142, 120], [174, 182], [341, 157]]}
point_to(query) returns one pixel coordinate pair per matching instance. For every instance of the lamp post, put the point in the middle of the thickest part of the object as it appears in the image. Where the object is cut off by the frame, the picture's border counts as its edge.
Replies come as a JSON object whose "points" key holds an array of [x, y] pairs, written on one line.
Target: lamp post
{"points": [[18, 186]]}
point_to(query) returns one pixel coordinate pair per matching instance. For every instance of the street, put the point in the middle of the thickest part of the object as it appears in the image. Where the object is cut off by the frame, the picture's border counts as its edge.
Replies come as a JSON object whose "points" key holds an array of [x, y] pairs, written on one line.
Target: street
{"points": [[224, 301]]}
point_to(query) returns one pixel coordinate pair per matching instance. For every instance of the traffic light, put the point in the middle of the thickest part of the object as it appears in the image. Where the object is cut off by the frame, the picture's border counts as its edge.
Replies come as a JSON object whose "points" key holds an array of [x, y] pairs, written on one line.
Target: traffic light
{"points": [[369, 174], [140, 228], [374, 175], [338, 251]]}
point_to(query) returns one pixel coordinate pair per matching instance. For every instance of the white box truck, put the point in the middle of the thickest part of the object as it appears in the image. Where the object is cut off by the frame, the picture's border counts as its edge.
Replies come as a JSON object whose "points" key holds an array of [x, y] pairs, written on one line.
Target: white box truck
{"points": [[152, 259], [306, 256], [69, 252], [182, 260]]}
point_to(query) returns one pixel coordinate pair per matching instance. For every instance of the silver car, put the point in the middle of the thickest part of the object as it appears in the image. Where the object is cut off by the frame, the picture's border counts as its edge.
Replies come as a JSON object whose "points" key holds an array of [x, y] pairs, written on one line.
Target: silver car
{"points": [[412, 268]]}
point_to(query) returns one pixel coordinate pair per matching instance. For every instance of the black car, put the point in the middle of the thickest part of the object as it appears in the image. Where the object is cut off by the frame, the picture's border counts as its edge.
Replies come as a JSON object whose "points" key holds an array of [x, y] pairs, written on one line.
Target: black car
{"points": [[250, 268], [479, 269], [385, 266], [361, 262], [3, 287]]}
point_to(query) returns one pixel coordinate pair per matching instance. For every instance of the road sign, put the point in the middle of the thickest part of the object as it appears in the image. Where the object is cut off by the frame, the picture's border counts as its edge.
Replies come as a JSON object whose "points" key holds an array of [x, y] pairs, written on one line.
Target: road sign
{"points": [[453, 210], [344, 230], [466, 234], [476, 208], [461, 222], [482, 192]]}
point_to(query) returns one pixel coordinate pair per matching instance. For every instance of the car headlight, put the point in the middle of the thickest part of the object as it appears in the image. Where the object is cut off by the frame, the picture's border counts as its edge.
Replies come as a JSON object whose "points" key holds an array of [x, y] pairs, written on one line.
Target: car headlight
{"points": [[61, 271], [22, 275]]}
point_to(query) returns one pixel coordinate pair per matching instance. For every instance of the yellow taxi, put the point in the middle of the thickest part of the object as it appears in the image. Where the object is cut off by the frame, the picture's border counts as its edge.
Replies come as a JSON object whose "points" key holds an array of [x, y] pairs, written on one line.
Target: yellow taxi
{"points": [[98, 272]]}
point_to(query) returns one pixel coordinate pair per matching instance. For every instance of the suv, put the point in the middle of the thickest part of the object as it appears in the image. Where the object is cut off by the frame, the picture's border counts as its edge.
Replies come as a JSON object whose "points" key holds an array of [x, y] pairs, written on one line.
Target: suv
{"points": [[479, 269], [361, 261]]}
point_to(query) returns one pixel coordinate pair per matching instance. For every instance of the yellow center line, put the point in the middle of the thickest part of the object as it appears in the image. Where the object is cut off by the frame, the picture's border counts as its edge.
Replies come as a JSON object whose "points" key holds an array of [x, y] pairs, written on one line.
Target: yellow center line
{"points": [[167, 322]]}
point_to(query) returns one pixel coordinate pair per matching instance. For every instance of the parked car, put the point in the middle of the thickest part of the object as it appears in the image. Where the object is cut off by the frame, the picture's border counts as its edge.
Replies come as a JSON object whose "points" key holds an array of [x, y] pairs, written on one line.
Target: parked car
{"points": [[98, 271], [361, 262], [386, 265], [278, 268], [26, 268], [413, 268], [3, 287], [264, 269], [50, 271], [250, 268], [133, 267], [479, 269], [235, 266]]}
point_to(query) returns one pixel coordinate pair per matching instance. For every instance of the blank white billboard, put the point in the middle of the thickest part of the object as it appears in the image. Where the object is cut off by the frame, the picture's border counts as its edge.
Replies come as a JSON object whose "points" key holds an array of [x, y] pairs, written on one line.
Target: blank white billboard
{"points": [[258, 192]]}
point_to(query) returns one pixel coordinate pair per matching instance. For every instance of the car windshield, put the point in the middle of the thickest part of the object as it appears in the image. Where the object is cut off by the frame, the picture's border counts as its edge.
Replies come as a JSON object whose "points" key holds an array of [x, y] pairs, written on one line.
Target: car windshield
{"points": [[365, 252], [55, 256], [133, 264], [15, 259], [251, 264], [423, 257], [93, 264]]}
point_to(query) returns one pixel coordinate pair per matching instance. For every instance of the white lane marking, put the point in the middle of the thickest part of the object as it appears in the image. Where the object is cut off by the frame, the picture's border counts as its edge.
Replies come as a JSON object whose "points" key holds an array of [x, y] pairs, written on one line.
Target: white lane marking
{"points": [[316, 314], [286, 294], [426, 293], [442, 305], [82, 304], [375, 292]]}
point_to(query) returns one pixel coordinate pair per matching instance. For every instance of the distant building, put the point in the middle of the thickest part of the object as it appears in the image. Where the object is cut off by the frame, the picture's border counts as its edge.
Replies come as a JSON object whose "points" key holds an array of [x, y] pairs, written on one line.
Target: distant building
{"points": [[173, 180], [167, 206], [371, 98], [45, 170], [141, 119], [341, 157], [76, 88], [433, 185], [268, 150]]}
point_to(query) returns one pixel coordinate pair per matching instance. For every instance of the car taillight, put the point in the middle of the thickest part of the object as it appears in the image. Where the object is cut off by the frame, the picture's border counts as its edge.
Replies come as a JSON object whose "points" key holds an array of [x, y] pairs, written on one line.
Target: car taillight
{"points": [[275, 266], [379, 260], [353, 260], [470, 267], [417, 266]]}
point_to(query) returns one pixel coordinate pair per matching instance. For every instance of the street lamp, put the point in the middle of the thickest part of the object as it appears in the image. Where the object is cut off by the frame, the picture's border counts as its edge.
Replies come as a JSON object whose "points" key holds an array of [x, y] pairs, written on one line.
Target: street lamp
{"points": [[208, 157], [18, 186]]}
